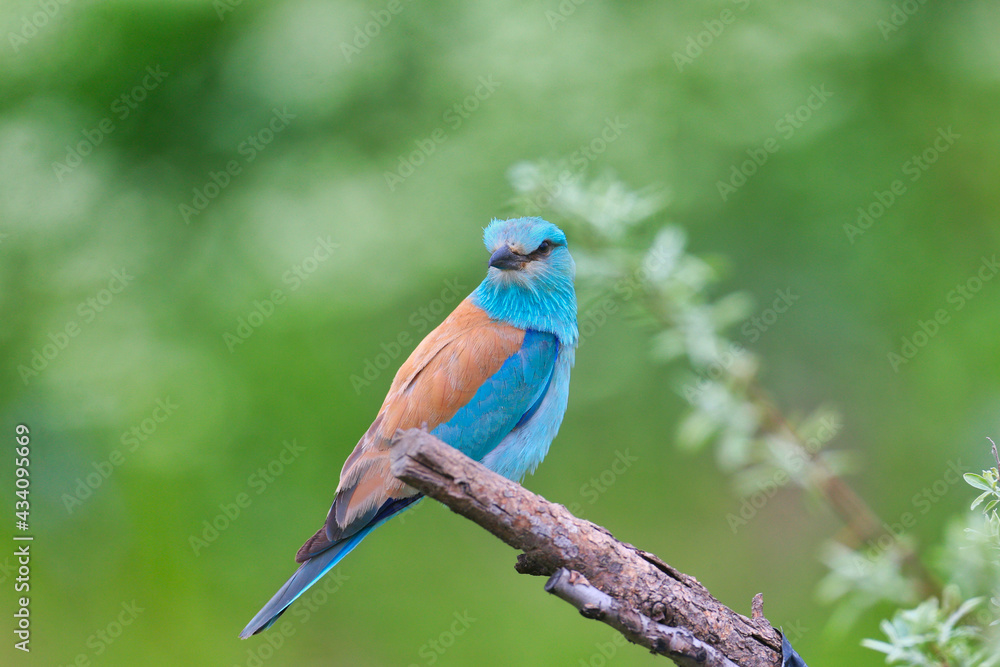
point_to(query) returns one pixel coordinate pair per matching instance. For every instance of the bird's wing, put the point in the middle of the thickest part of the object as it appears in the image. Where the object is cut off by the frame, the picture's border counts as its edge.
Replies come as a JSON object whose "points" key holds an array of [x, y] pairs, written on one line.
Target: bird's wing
{"points": [[470, 382]]}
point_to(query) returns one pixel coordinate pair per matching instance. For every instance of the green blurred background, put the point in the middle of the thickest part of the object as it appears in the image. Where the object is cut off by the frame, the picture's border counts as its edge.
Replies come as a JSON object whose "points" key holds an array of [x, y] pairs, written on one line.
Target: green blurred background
{"points": [[92, 182]]}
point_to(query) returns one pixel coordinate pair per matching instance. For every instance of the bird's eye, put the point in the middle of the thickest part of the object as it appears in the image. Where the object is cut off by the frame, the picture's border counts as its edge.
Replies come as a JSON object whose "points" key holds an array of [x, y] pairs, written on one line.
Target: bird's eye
{"points": [[545, 248]]}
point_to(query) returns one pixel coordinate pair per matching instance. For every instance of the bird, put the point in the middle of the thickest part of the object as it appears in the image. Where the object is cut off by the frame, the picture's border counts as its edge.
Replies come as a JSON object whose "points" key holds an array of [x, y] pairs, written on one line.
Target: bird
{"points": [[492, 381]]}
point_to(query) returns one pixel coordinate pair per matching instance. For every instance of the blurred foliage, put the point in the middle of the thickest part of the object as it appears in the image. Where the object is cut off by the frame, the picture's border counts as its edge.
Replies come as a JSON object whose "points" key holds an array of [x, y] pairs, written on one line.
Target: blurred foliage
{"points": [[960, 627], [758, 443], [388, 132]]}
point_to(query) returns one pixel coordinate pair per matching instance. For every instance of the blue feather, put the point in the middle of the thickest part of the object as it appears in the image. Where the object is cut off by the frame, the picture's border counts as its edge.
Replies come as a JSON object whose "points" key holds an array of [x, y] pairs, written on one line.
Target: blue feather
{"points": [[541, 297], [308, 574], [502, 400], [534, 408], [313, 569], [511, 420]]}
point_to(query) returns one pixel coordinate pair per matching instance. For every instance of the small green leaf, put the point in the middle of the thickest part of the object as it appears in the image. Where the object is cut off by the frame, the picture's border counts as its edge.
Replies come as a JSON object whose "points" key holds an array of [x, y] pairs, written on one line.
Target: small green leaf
{"points": [[978, 481], [957, 615], [875, 645], [983, 496]]}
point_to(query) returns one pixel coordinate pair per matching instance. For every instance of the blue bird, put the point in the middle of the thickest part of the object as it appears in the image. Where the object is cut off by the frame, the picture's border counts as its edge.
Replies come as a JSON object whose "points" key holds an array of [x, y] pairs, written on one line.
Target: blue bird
{"points": [[492, 381]]}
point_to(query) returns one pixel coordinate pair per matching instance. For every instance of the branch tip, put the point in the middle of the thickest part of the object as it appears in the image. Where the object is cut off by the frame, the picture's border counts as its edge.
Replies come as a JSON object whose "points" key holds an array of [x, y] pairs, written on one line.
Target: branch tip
{"points": [[604, 578]]}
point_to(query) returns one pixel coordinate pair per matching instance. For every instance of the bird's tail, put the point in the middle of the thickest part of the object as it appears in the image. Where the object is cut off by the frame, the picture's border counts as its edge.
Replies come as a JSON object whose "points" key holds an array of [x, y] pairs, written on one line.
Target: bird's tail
{"points": [[308, 574], [313, 569]]}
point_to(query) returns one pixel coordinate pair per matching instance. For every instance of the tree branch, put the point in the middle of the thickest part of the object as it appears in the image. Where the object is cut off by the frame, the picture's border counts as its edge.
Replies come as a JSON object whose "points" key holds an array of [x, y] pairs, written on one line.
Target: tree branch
{"points": [[676, 643], [638, 583]]}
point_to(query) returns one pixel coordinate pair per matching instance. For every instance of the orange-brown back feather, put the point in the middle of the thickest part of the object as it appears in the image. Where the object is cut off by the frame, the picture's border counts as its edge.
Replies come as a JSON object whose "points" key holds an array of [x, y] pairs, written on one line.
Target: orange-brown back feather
{"points": [[442, 374]]}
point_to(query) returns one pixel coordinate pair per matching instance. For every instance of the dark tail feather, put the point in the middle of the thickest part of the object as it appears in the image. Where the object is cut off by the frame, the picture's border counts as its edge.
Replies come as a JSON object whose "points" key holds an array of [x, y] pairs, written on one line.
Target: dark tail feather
{"points": [[307, 575], [313, 569]]}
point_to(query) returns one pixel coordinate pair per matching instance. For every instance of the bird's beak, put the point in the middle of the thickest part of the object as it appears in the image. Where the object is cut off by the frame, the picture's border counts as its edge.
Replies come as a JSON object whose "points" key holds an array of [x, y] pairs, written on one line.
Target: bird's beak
{"points": [[506, 259]]}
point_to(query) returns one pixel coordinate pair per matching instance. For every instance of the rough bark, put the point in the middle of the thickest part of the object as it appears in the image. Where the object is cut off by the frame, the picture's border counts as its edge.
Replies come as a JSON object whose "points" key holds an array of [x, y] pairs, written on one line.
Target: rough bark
{"points": [[678, 644], [552, 538]]}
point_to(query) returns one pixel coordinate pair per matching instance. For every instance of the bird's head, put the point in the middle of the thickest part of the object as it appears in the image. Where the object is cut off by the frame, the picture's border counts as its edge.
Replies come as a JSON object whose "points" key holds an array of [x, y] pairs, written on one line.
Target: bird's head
{"points": [[530, 277], [528, 252]]}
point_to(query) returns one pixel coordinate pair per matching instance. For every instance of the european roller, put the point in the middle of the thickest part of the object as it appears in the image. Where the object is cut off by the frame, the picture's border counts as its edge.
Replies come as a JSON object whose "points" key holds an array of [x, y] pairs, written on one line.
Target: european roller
{"points": [[492, 381]]}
